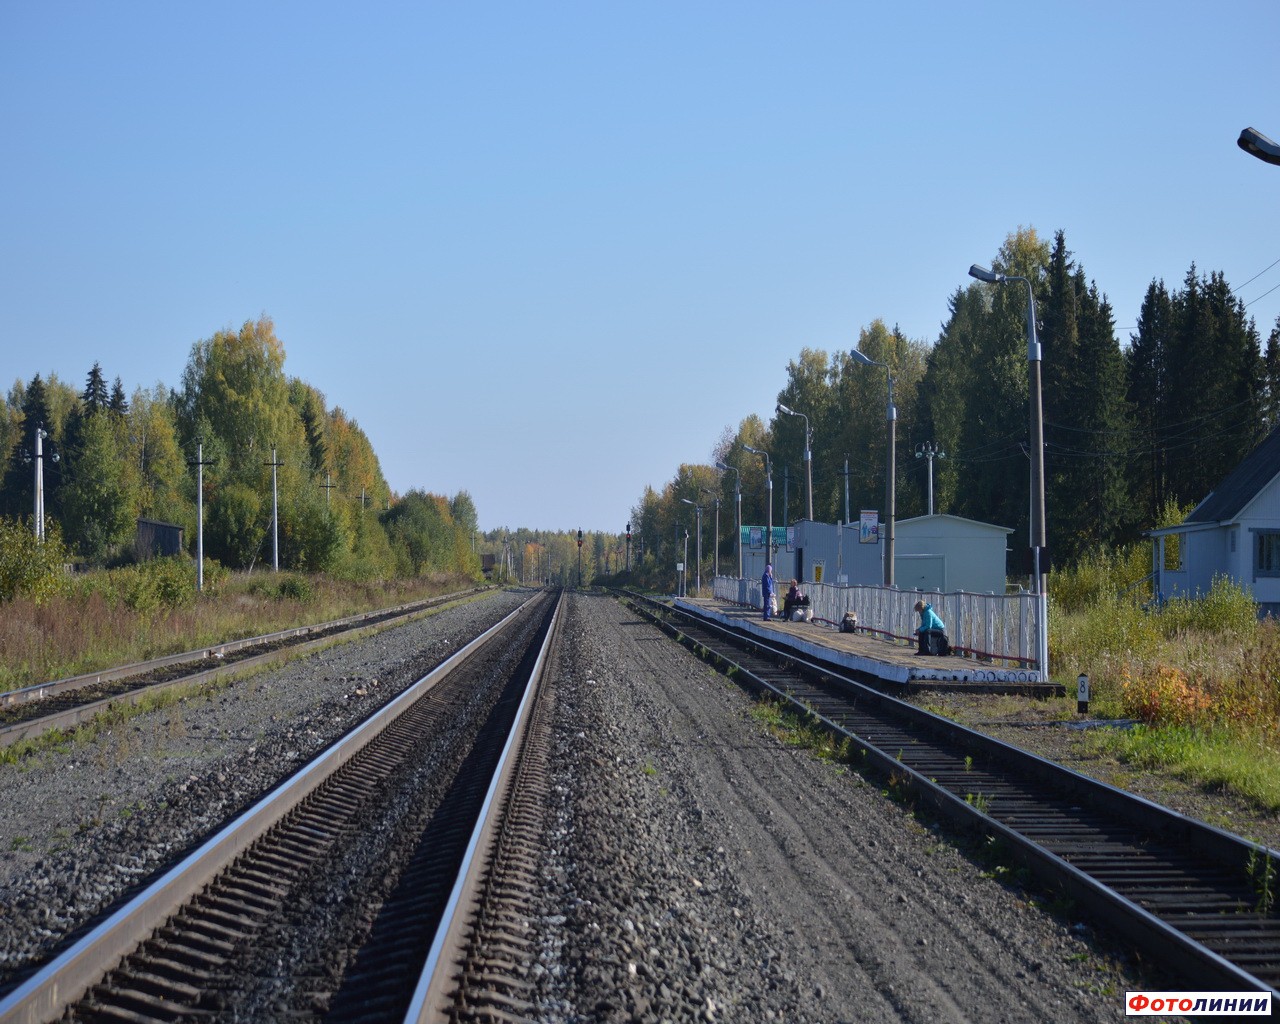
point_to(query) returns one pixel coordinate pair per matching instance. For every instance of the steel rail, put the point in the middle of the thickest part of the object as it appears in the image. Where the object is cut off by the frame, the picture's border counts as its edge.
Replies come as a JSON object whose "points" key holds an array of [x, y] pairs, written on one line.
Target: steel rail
{"points": [[1033, 805], [350, 628], [433, 993], [66, 978]]}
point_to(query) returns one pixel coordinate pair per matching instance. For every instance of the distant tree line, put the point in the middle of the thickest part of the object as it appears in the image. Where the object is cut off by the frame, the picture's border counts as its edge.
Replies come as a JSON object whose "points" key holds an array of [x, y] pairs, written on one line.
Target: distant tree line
{"points": [[1129, 430], [554, 558], [109, 460]]}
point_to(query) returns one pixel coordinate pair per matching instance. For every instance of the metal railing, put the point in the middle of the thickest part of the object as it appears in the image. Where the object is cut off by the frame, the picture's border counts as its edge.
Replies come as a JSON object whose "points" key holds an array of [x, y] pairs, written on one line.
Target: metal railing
{"points": [[1000, 627]]}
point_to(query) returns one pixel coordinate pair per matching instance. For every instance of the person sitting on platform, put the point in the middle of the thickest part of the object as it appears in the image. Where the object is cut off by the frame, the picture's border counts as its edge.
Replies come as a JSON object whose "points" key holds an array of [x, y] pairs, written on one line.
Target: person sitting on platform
{"points": [[794, 599], [932, 632]]}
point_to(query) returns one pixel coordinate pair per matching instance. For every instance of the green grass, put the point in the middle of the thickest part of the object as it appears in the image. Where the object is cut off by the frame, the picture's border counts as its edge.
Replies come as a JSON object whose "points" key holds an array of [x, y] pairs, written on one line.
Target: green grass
{"points": [[1216, 758], [800, 730]]}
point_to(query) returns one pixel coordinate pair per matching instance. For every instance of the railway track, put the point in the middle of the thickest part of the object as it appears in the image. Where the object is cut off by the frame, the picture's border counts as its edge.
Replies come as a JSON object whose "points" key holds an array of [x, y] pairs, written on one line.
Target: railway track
{"points": [[1192, 897], [34, 710], [370, 858]]}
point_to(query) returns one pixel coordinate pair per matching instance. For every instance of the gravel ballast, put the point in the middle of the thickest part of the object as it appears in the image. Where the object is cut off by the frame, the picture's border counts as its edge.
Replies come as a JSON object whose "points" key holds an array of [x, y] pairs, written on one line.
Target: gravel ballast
{"points": [[705, 870]]}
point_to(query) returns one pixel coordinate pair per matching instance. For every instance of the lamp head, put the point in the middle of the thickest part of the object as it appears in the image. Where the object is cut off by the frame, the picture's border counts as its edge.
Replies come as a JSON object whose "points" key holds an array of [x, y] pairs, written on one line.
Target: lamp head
{"points": [[983, 274], [865, 360], [783, 408], [753, 451], [1256, 144]]}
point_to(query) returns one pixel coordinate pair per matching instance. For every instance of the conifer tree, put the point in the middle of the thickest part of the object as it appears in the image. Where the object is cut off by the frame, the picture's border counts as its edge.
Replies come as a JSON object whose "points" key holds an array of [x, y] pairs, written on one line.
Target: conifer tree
{"points": [[1147, 373], [94, 398], [1085, 411], [1271, 379], [118, 403], [17, 496], [1213, 367]]}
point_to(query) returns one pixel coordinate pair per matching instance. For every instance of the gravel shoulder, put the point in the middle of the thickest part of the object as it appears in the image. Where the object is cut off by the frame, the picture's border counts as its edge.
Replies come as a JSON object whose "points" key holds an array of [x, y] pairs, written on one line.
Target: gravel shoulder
{"points": [[708, 871]]}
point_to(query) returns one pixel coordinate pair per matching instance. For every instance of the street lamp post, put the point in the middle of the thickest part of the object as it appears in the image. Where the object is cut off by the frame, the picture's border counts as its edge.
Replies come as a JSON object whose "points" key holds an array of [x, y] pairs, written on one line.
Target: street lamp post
{"points": [[891, 422], [697, 574], [1038, 565], [737, 500], [768, 486], [717, 546], [1256, 144], [707, 492], [929, 450], [808, 455]]}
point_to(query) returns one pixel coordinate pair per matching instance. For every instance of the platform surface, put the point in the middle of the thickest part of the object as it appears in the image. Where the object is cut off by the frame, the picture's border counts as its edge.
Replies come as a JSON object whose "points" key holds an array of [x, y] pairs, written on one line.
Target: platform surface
{"points": [[889, 660]]}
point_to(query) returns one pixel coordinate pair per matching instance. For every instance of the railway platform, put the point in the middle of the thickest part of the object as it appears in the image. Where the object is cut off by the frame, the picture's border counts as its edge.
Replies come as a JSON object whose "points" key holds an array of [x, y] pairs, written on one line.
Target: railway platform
{"points": [[888, 660]]}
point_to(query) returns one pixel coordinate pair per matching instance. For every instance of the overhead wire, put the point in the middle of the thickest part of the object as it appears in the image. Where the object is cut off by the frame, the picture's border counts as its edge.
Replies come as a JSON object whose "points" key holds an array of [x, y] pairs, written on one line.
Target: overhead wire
{"points": [[1262, 296], [1258, 275]]}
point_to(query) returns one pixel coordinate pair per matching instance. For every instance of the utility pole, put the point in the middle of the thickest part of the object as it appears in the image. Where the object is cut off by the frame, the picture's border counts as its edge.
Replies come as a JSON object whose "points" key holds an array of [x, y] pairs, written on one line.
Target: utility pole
{"points": [[929, 450], [275, 513], [327, 488], [39, 482], [697, 577], [891, 416], [846, 487], [199, 464], [685, 575]]}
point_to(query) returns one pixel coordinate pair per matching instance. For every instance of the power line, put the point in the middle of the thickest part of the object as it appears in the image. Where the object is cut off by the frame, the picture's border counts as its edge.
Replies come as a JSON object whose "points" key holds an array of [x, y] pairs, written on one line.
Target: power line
{"points": [[1258, 275], [1262, 296], [1167, 444], [1178, 425]]}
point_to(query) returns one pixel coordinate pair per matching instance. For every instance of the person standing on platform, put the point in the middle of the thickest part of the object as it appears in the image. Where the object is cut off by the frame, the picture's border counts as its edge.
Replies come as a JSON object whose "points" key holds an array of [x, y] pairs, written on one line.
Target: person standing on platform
{"points": [[767, 590]]}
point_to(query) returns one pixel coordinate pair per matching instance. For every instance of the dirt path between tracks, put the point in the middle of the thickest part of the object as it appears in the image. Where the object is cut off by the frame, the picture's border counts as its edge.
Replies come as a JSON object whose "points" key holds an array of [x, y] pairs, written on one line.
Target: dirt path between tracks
{"points": [[703, 869]]}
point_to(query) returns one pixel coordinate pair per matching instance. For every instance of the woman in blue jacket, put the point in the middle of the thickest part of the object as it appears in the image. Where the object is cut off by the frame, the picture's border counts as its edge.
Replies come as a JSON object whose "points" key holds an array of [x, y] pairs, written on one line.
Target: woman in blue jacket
{"points": [[932, 632]]}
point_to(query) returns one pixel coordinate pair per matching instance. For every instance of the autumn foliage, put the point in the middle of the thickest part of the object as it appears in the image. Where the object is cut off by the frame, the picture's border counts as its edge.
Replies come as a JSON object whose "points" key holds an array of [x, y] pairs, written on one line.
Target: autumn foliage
{"points": [[239, 429]]}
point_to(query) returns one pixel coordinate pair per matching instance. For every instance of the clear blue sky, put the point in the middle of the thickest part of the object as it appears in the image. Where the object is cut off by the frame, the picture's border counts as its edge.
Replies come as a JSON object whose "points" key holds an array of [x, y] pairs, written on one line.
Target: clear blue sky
{"points": [[546, 252]]}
